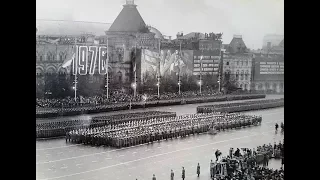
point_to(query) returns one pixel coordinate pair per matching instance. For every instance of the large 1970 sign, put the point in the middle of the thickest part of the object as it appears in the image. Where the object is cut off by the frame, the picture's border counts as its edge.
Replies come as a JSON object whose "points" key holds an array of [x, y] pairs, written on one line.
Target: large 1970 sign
{"points": [[88, 58]]}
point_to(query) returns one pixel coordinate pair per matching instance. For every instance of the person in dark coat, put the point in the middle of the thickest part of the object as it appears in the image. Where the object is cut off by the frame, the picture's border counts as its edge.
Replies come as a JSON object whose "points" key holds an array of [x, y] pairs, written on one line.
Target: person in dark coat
{"points": [[198, 169], [172, 175], [154, 177], [183, 173]]}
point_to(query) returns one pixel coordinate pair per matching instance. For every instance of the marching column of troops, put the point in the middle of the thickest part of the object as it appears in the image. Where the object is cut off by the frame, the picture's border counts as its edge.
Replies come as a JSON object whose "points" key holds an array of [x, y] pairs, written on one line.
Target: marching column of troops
{"points": [[149, 130], [241, 106], [59, 128]]}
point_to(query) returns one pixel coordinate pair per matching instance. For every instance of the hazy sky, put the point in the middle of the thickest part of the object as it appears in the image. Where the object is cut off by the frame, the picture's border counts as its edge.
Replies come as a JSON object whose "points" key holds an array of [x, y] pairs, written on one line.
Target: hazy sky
{"points": [[250, 18]]}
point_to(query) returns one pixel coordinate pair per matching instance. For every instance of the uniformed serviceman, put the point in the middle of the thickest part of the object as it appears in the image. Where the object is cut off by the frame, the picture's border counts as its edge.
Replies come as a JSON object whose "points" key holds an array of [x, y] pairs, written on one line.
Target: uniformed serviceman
{"points": [[198, 169], [172, 175], [183, 173]]}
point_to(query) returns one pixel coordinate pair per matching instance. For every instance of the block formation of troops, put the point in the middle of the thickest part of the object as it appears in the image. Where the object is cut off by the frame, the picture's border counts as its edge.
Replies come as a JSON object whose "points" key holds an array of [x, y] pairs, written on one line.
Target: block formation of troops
{"points": [[148, 130], [59, 128], [241, 106]]}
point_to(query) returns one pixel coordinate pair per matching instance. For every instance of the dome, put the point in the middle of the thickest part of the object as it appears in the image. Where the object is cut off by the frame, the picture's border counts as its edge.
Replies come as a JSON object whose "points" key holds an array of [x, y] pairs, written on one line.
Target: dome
{"points": [[157, 33]]}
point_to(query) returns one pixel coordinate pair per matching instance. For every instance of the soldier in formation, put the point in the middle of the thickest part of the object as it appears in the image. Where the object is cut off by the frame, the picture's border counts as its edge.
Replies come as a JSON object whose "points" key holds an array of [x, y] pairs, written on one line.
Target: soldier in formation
{"points": [[198, 169], [183, 173]]}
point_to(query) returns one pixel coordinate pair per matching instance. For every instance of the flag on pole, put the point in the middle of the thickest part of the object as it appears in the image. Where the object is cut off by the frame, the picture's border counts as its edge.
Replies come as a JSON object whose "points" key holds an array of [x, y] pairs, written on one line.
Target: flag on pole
{"points": [[67, 62]]}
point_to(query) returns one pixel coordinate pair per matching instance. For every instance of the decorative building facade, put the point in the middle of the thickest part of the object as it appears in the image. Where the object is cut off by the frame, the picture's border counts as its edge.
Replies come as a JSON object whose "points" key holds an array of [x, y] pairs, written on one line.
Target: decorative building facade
{"points": [[55, 41], [237, 63], [238, 67]]}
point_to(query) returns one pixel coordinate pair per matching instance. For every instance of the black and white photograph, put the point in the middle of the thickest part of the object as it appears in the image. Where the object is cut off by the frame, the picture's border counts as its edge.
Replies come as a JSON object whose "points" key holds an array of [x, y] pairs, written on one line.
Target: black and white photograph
{"points": [[160, 90]]}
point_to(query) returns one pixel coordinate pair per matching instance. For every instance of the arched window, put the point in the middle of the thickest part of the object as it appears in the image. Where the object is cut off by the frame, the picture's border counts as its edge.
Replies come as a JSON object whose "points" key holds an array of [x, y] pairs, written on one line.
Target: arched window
{"points": [[246, 75], [237, 75], [240, 86], [274, 86], [61, 55], [50, 71], [245, 86], [281, 86], [49, 56], [267, 86], [242, 75], [39, 72], [40, 58], [120, 76]]}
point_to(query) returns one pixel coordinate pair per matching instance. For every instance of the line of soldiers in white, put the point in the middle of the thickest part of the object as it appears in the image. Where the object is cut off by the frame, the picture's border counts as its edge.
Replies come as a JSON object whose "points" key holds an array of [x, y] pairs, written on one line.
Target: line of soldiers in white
{"points": [[59, 128], [145, 131], [242, 106], [104, 120]]}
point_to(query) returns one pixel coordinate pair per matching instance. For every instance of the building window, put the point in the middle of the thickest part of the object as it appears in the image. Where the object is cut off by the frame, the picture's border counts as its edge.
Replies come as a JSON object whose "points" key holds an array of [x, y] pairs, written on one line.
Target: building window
{"points": [[60, 57], [227, 63], [245, 87], [267, 86], [40, 58]]}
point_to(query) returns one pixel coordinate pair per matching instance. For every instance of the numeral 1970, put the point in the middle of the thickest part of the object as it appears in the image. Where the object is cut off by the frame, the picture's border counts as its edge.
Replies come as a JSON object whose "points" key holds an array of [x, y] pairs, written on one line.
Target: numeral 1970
{"points": [[86, 60]]}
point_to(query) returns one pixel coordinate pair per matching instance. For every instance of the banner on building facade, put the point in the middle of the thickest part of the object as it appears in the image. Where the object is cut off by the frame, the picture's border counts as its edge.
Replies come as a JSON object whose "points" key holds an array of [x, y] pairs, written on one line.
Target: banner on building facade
{"points": [[269, 67], [206, 62], [167, 63]]}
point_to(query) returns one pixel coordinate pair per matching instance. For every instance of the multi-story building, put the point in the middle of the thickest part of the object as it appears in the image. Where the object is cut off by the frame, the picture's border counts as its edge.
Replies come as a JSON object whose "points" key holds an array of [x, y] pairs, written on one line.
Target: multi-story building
{"points": [[237, 63], [268, 72], [55, 41]]}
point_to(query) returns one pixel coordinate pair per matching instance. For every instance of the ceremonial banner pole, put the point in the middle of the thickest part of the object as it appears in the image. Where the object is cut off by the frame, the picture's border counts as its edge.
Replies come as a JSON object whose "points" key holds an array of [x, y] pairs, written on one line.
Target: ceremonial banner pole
{"points": [[200, 83], [75, 76], [135, 70], [107, 68], [179, 81], [158, 84]]}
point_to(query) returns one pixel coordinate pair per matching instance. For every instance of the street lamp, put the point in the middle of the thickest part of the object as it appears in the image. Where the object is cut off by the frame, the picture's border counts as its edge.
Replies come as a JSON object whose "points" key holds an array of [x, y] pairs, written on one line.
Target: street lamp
{"points": [[134, 86], [200, 84], [158, 84]]}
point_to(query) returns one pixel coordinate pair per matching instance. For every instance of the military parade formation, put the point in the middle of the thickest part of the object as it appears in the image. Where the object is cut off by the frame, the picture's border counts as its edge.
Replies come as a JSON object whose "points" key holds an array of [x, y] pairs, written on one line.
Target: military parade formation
{"points": [[61, 108], [149, 130], [241, 106], [59, 128]]}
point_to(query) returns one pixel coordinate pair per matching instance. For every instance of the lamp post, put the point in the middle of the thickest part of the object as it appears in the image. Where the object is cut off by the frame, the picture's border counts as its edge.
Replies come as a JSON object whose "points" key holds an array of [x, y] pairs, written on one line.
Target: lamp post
{"points": [[134, 86], [158, 84], [200, 84], [75, 88], [179, 84]]}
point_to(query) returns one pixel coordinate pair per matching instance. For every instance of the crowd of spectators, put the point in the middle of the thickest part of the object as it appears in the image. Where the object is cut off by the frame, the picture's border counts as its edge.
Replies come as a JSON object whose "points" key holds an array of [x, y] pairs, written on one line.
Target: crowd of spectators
{"points": [[117, 97]]}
